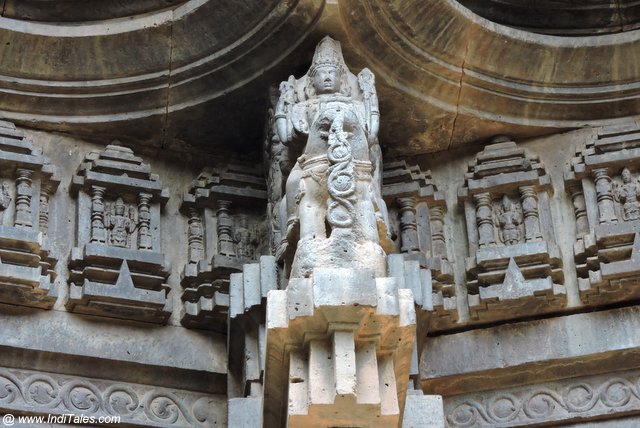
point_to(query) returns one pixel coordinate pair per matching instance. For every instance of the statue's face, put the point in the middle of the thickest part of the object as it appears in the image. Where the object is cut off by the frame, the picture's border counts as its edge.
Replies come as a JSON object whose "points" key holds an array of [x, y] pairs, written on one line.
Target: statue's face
{"points": [[120, 209], [326, 80], [626, 175]]}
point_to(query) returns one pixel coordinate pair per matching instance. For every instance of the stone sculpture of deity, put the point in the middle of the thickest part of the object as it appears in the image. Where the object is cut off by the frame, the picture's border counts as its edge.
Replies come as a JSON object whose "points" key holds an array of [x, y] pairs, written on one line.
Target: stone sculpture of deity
{"points": [[120, 224], [509, 219], [627, 193], [335, 215]]}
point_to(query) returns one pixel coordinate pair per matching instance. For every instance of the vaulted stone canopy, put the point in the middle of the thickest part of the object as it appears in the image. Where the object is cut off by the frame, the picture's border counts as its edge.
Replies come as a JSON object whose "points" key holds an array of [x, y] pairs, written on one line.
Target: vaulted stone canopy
{"points": [[165, 73]]}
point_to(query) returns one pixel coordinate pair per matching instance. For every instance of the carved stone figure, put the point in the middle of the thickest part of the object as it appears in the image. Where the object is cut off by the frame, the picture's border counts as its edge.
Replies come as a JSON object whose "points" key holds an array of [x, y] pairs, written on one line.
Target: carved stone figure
{"points": [[627, 193], [509, 220], [333, 191], [245, 238], [5, 200], [120, 225]]}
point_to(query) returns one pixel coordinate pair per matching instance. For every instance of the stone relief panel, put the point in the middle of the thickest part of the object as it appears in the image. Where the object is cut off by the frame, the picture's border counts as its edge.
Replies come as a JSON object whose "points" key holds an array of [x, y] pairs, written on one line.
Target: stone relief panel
{"points": [[27, 182], [561, 401], [117, 268], [604, 186], [148, 405], [515, 268], [416, 211], [226, 229]]}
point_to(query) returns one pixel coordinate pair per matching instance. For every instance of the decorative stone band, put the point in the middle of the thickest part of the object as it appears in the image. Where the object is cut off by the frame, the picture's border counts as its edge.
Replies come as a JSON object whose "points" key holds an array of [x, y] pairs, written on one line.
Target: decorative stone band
{"points": [[565, 400], [34, 392]]}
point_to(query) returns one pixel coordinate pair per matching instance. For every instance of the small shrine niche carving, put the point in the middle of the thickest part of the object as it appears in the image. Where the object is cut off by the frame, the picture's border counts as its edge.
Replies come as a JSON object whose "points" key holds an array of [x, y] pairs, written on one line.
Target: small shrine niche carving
{"points": [[117, 266], [603, 182], [226, 229], [514, 269], [416, 211], [27, 182]]}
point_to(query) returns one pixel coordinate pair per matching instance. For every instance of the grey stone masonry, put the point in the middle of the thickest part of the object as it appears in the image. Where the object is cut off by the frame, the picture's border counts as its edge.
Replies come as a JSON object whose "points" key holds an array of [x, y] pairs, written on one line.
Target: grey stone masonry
{"points": [[225, 208], [117, 268], [604, 185], [27, 182], [514, 267], [416, 212]]}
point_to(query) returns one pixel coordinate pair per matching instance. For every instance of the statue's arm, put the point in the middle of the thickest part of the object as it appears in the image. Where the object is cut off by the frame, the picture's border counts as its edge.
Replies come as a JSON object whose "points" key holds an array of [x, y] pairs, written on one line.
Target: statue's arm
{"points": [[366, 81], [283, 111]]}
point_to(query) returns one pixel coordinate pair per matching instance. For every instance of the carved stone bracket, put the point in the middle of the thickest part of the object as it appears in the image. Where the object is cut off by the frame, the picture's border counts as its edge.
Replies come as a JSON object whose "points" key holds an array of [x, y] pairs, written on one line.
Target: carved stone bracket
{"points": [[55, 394], [27, 183], [347, 340], [117, 266], [416, 212], [604, 184], [225, 211], [514, 269]]}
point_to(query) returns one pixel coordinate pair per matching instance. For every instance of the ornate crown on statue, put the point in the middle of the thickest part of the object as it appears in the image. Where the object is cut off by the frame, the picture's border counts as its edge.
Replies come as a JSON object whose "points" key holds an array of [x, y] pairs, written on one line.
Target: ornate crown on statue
{"points": [[328, 53]]}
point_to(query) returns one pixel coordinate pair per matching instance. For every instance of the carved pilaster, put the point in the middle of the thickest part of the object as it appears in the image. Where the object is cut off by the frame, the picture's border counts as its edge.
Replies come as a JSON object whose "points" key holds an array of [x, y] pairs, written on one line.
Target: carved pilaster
{"points": [[98, 231], [196, 236], [579, 209], [529, 200], [439, 245], [408, 225], [144, 222], [226, 244], [24, 192], [484, 219], [604, 193], [43, 217]]}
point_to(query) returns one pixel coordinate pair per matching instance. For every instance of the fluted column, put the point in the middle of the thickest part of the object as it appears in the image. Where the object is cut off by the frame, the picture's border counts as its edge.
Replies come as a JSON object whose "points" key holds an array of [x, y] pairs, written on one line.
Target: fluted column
{"points": [[604, 192], [529, 200], [408, 225], [24, 191]]}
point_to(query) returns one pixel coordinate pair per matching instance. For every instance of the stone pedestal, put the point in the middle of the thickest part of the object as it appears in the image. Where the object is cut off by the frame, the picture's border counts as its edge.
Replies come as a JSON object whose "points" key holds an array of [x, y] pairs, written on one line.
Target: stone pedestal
{"points": [[339, 347]]}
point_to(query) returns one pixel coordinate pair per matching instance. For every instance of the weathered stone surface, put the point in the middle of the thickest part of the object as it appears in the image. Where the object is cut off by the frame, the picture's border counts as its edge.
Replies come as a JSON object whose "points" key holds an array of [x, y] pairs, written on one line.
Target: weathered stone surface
{"points": [[350, 359], [422, 411], [416, 212], [57, 394], [523, 353], [515, 265], [604, 187], [28, 182], [567, 400], [117, 267], [225, 207]]}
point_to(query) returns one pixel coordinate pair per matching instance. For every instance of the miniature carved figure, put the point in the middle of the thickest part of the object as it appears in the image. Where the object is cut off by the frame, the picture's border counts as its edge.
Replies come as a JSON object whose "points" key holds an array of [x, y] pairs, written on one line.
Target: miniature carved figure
{"points": [[509, 219], [120, 225], [245, 238], [5, 200], [333, 191], [627, 193]]}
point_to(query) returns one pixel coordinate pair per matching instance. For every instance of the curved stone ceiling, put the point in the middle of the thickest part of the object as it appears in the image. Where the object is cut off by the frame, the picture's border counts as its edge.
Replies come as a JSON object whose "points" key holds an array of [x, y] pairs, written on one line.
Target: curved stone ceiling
{"points": [[81, 10], [84, 75], [465, 69], [196, 71], [561, 17]]}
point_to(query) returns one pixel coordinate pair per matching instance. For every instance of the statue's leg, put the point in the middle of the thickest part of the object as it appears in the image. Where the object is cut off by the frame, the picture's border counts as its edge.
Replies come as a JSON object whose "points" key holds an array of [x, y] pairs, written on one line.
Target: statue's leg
{"points": [[365, 210], [292, 198], [312, 210]]}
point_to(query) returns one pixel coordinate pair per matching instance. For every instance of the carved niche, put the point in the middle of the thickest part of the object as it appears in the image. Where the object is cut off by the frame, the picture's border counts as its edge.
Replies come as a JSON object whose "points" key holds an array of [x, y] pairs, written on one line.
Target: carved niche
{"points": [[515, 267], [27, 182], [416, 211], [117, 267], [225, 210], [604, 185]]}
